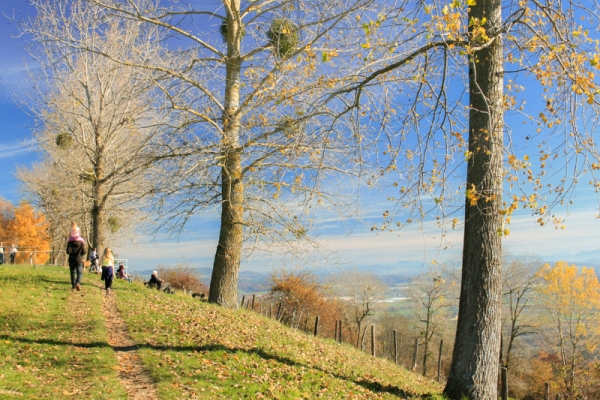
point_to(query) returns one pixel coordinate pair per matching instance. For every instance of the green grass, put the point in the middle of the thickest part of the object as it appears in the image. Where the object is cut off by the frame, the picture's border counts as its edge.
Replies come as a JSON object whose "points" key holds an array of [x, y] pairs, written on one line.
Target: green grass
{"points": [[53, 342]]}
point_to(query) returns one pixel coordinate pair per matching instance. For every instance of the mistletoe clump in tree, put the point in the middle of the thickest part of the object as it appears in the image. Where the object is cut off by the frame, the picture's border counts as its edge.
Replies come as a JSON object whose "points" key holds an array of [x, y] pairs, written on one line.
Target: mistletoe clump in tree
{"points": [[99, 122], [256, 141]]}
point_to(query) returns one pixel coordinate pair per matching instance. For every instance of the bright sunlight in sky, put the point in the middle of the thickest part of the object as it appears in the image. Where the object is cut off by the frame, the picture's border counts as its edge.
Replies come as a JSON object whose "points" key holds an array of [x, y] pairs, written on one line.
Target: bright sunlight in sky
{"points": [[347, 243]]}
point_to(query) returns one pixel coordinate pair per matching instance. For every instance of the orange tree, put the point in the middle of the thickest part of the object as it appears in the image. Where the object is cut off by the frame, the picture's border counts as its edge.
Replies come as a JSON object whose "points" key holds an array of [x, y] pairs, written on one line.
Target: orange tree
{"points": [[301, 297], [571, 296], [182, 277], [28, 230]]}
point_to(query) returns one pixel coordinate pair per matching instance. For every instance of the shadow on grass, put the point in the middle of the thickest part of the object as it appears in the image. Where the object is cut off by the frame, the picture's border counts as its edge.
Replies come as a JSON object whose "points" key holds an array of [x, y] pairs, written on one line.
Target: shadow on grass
{"points": [[372, 386], [53, 342], [87, 280], [15, 280], [126, 349]]}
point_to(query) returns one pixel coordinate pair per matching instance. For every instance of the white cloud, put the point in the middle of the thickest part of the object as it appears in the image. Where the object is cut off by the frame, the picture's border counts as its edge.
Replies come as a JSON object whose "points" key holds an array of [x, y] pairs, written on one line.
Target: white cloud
{"points": [[580, 233], [9, 150], [362, 247]]}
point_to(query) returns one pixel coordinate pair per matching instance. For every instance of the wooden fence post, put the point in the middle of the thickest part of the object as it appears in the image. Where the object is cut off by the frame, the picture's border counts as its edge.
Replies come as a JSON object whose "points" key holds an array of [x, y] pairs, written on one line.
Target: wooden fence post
{"points": [[395, 348], [293, 318], [299, 320], [504, 377], [253, 297], [317, 325], [362, 341], [243, 298], [414, 368], [340, 333], [546, 391], [335, 331], [373, 340], [440, 360]]}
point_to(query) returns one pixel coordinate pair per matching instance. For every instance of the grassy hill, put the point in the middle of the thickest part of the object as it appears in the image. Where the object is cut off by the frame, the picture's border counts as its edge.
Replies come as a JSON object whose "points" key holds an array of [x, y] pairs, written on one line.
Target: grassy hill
{"points": [[53, 344]]}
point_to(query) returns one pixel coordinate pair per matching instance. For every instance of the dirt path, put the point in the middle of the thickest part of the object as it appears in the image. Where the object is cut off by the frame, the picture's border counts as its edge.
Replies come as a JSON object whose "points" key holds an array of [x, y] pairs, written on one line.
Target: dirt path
{"points": [[136, 380]]}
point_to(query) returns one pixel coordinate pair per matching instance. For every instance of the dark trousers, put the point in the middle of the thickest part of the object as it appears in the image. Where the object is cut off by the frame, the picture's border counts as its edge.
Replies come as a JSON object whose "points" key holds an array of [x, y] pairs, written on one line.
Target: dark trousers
{"points": [[165, 287], [107, 276], [76, 272], [12, 258]]}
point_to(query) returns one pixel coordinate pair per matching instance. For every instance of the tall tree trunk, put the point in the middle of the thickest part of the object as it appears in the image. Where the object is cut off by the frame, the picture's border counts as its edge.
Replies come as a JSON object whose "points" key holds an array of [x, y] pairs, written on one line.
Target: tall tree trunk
{"points": [[97, 230], [224, 280], [474, 368], [98, 199]]}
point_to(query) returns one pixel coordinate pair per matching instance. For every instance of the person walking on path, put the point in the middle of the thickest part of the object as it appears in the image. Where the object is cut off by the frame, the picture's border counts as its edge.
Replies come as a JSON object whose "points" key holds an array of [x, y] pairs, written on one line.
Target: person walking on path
{"points": [[108, 269], [76, 250], [94, 261], [13, 253], [1, 253]]}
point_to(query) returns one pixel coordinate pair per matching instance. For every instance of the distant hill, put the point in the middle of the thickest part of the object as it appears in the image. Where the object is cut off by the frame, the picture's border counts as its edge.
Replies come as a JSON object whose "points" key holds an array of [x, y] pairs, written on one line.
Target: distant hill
{"points": [[256, 282]]}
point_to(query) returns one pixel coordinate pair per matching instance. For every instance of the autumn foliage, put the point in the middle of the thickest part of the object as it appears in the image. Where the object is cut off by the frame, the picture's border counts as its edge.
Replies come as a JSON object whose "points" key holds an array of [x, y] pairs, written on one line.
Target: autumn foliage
{"points": [[571, 297], [27, 229], [299, 298], [182, 277]]}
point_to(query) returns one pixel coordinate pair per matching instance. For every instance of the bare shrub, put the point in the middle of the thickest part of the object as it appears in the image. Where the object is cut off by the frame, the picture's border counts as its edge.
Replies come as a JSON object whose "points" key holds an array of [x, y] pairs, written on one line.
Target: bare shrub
{"points": [[298, 296], [183, 277]]}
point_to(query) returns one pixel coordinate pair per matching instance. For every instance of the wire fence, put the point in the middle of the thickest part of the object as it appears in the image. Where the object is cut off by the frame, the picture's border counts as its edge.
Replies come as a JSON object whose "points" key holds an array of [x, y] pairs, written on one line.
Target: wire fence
{"points": [[33, 256]]}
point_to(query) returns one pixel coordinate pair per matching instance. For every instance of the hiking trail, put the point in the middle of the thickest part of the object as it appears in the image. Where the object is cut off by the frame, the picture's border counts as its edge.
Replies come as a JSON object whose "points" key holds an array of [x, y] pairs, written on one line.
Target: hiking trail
{"points": [[136, 380]]}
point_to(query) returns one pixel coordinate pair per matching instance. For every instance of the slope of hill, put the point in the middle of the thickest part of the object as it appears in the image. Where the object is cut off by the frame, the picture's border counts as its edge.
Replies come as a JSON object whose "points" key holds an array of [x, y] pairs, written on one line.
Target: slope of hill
{"points": [[53, 343]]}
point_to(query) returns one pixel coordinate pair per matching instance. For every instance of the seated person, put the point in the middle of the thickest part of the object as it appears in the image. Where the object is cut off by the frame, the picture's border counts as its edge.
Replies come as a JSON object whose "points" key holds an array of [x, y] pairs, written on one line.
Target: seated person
{"points": [[121, 274], [159, 283]]}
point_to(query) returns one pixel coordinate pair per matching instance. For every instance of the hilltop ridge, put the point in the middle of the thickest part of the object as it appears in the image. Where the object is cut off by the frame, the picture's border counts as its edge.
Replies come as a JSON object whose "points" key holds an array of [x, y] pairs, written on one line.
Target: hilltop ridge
{"points": [[190, 348]]}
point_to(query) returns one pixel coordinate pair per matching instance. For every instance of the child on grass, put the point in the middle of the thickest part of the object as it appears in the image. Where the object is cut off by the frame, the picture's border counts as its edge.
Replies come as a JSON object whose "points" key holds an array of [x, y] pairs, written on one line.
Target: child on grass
{"points": [[108, 269], [75, 235]]}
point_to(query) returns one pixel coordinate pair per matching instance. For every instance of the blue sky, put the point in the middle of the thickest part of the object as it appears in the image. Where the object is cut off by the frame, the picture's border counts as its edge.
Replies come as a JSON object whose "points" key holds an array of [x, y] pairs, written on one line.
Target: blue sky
{"points": [[405, 252]]}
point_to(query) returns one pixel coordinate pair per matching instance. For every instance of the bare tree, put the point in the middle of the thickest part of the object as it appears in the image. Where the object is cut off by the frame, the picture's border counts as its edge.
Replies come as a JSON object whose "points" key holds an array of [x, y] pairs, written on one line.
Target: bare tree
{"points": [[248, 82], [519, 280], [429, 296], [360, 292], [99, 120]]}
